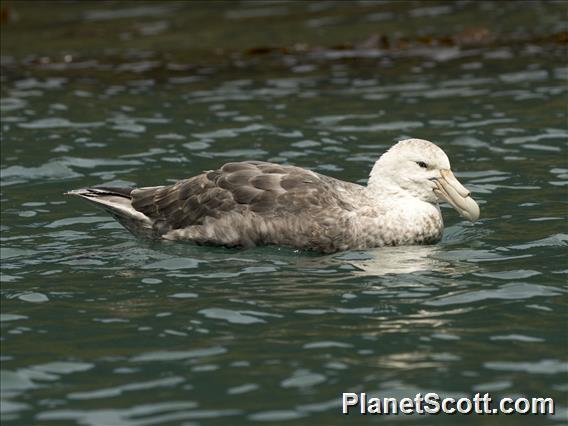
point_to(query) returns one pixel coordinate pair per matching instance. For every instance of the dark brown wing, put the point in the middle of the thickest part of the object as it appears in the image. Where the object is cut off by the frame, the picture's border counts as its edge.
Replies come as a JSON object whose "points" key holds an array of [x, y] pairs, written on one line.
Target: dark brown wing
{"points": [[261, 188]]}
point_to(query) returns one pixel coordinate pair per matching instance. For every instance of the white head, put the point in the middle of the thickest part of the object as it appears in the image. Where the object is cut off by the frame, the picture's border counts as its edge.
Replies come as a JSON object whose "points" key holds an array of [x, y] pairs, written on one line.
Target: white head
{"points": [[418, 168]]}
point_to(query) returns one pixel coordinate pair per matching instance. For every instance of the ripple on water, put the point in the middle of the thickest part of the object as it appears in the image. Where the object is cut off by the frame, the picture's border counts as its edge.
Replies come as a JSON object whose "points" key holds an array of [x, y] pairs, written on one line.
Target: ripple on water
{"points": [[127, 12], [326, 344], [61, 168], [380, 127], [179, 355], [517, 338], [233, 132], [35, 83], [33, 297], [510, 291], [129, 126], [556, 240], [74, 221], [146, 414], [174, 264], [276, 415], [63, 367], [53, 123], [184, 295], [233, 153], [53, 170], [233, 317], [12, 317], [11, 104], [548, 366], [12, 252], [516, 274], [302, 379], [119, 390], [245, 388], [15, 382]]}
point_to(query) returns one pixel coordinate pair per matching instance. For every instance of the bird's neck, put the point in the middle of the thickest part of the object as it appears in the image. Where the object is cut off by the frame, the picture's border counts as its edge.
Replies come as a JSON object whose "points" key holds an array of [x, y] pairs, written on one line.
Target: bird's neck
{"points": [[396, 201], [383, 187]]}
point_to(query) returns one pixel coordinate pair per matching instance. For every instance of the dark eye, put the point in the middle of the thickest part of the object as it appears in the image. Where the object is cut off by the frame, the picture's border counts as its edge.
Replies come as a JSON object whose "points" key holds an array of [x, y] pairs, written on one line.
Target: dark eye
{"points": [[422, 164]]}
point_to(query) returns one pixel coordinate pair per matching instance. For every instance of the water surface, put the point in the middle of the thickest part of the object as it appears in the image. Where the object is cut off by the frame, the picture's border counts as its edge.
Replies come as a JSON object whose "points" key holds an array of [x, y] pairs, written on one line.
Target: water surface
{"points": [[99, 328]]}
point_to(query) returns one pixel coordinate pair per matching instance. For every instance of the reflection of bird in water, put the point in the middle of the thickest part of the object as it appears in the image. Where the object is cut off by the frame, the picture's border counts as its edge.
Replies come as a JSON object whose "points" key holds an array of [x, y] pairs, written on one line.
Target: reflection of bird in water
{"points": [[406, 260], [399, 260], [255, 203]]}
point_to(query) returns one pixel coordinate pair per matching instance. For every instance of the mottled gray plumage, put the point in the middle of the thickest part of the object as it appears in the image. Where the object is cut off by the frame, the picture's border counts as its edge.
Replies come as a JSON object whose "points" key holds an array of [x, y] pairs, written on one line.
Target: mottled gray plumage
{"points": [[249, 203]]}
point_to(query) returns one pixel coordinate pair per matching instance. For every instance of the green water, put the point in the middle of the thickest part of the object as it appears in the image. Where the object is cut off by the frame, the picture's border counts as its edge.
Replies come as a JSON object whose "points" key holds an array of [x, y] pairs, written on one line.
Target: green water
{"points": [[98, 328]]}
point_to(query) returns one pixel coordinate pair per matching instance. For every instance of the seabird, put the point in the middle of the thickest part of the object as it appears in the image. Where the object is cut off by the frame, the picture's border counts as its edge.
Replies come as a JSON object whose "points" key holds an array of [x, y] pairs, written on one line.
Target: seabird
{"points": [[250, 203]]}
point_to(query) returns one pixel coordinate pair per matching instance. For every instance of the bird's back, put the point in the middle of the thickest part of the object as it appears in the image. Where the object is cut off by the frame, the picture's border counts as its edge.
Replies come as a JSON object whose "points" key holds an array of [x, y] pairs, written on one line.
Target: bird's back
{"points": [[251, 203]]}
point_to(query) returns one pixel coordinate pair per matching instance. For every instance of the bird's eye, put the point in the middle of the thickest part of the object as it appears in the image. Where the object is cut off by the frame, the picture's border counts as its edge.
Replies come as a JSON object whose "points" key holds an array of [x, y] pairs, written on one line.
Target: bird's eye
{"points": [[422, 164]]}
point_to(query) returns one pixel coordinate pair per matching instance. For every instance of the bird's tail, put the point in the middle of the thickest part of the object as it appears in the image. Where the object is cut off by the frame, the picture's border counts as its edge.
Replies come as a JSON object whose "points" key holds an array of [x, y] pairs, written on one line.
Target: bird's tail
{"points": [[118, 202]]}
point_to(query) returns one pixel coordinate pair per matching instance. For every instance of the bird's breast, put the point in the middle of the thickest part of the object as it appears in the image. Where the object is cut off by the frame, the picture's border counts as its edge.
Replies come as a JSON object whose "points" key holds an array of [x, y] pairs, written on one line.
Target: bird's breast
{"points": [[404, 223]]}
